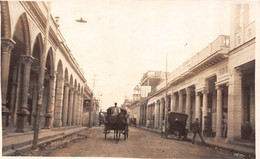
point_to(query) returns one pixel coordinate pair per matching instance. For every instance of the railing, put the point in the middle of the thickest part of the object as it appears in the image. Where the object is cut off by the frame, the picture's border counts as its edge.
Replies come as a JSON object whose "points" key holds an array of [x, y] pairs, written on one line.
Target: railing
{"points": [[245, 34], [250, 31], [221, 42]]}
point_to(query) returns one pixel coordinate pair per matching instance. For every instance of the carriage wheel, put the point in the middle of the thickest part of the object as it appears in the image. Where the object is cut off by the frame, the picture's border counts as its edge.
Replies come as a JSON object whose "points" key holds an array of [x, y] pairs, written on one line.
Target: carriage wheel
{"points": [[166, 134], [162, 133], [185, 136], [125, 132], [179, 135], [105, 135]]}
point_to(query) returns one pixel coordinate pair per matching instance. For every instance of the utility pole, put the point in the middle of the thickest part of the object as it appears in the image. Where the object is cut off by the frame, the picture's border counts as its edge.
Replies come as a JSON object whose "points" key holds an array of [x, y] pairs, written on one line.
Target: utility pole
{"points": [[41, 79], [166, 100], [91, 101]]}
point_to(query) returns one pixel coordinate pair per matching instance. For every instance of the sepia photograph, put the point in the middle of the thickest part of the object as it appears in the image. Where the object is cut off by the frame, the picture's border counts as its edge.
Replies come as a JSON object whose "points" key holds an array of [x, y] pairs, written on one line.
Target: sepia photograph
{"points": [[129, 79]]}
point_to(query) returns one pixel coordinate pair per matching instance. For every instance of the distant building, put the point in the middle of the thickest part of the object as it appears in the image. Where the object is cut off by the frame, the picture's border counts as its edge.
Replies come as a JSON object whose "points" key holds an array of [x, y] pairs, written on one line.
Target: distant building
{"points": [[136, 93], [126, 104], [149, 81], [94, 112]]}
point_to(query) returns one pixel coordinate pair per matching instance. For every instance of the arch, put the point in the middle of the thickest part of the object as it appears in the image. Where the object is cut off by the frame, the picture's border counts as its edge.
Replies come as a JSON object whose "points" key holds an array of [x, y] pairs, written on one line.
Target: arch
{"points": [[22, 34], [37, 51], [71, 81], [66, 76], [79, 99], [59, 70], [75, 85], [33, 86], [50, 62], [81, 90], [70, 103], [75, 106], [21, 37], [65, 104], [79, 87], [5, 20], [59, 96]]}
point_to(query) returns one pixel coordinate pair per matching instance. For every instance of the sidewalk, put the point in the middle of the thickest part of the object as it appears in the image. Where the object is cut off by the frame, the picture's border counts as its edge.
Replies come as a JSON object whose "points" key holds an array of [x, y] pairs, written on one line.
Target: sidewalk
{"points": [[14, 143], [236, 147]]}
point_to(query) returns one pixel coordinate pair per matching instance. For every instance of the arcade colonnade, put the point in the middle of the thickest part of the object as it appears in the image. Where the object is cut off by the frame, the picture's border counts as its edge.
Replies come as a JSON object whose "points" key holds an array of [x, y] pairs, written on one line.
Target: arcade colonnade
{"points": [[222, 106], [216, 85], [22, 53]]}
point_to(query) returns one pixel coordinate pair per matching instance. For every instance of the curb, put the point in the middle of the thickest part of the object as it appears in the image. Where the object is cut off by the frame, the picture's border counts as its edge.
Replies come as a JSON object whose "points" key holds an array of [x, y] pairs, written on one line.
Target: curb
{"points": [[248, 154], [28, 147]]}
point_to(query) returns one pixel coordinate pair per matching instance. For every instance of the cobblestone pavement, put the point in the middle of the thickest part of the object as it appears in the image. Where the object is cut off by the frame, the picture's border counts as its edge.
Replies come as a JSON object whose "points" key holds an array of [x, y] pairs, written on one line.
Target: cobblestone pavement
{"points": [[140, 144]]}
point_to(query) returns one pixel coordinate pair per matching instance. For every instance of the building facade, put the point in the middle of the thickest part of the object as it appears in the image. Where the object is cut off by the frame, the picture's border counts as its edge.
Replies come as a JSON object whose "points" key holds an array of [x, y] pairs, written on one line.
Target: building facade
{"points": [[91, 112], [216, 85], [38, 69]]}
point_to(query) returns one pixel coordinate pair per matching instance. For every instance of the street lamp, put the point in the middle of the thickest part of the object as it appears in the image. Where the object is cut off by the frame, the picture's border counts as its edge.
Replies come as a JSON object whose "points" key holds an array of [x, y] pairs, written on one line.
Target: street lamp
{"points": [[81, 20]]}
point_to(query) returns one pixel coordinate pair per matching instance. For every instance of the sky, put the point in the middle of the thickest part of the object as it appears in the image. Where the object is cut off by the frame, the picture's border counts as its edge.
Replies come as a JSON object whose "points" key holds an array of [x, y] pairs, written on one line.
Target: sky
{"points": [[124, 39]]}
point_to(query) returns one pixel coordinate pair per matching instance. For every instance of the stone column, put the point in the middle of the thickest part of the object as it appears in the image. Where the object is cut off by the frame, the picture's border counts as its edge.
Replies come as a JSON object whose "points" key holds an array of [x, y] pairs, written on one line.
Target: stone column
{"points": [[18, 92], [252, 106], [173, 102], [149, 112], [78, 107], [71, 97], [81, 109], [146, 113], [140, 120], [180, 101], [204, 107], [13, 93], [58, 102], [188, 106], [65, 105], [235, 105], [219, 112], [6, 47], [50, 105], [197, 106], [161, 113], [155, 114], [74, 108], [23, 110]]}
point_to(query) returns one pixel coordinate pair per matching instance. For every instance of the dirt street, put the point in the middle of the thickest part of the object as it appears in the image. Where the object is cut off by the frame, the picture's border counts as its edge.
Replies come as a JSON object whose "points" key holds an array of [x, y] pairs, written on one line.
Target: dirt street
{"points": [[140, 144]]}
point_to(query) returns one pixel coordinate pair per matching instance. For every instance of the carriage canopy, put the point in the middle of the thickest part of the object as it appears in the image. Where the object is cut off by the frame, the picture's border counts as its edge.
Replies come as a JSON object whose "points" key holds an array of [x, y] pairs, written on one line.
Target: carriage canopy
{"points": [[114, 111], [177, 119]]}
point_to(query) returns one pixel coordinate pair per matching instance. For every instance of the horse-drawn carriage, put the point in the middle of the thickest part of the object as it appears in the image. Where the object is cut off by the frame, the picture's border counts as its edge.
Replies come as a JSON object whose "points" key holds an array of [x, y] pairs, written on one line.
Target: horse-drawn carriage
{"points": [[133, 122], [176, 125], [102, 116], [116, 119]]}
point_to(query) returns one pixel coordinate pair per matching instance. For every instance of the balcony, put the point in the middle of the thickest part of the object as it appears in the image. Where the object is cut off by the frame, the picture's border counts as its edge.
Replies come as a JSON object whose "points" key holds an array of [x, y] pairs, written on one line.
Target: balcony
{"points": [[215, 52]]}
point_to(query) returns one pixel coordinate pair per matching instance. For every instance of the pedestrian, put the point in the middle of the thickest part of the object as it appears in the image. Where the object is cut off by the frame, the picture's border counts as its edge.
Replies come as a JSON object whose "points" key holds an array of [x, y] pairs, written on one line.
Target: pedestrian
{"points": [[196, 130], [225, 122]]}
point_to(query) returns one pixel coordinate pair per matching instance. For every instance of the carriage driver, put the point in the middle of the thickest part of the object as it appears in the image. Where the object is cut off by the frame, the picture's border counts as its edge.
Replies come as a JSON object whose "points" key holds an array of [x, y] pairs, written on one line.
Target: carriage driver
{"points": [[115, 111]]}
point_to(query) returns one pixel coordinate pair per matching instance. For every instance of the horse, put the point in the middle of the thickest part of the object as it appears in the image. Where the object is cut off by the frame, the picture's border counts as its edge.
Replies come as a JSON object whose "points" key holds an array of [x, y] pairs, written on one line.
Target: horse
{"points": [[120, 126]]}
